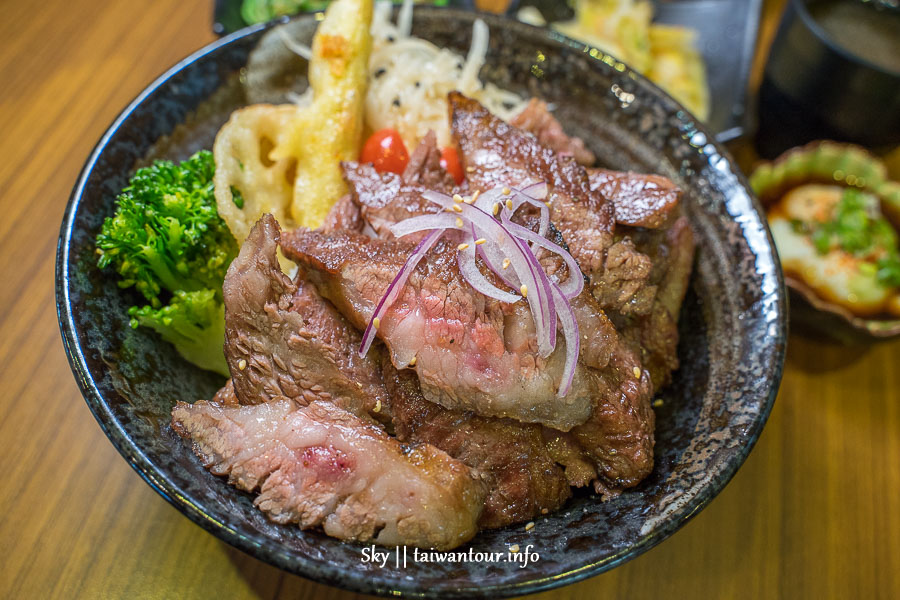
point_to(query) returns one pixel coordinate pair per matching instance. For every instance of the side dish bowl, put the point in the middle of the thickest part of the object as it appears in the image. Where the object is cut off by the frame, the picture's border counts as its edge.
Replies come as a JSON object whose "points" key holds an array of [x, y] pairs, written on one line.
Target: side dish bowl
{"points": [[844, 165], [733, 324]]}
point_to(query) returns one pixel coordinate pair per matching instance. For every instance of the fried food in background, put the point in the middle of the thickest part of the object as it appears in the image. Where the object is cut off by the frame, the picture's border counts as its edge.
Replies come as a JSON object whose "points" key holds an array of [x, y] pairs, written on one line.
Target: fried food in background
{"points": [[666, 54]]}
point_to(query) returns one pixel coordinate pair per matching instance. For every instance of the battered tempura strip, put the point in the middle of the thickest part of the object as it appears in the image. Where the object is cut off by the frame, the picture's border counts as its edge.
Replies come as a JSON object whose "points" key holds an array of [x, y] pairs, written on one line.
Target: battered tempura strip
{"points": [[329, 130], [285, 160]]}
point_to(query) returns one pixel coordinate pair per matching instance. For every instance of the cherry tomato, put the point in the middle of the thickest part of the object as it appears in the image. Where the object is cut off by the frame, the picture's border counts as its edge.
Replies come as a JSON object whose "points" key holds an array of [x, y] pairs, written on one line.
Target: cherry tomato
{"points": [[385, 149], [450, 162]]}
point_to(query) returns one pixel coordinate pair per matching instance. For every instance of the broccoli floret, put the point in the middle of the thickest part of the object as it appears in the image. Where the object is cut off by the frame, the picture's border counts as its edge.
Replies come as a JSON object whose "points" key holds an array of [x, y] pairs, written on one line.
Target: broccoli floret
{"points": [[167, 240], [166, 233], [194, 322]]}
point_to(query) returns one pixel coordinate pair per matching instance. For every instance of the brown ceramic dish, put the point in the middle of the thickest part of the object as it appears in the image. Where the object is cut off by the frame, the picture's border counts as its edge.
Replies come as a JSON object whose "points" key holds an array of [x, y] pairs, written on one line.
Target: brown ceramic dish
{"points": [[732, 324]]}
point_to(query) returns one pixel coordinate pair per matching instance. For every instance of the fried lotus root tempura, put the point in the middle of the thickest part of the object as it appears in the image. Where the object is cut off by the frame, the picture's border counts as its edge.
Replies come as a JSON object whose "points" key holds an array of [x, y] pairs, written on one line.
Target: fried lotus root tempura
{"points": [[248, 181]]}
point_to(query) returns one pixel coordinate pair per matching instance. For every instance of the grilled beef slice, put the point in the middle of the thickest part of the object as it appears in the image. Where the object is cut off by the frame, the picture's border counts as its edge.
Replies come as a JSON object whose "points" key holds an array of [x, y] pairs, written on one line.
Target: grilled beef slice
{"points": [[495, 153], [471, 351], [537, 120], [520, 475], [284, 340], [458, 337], [656, 333], [319, 465], [640, 200]]}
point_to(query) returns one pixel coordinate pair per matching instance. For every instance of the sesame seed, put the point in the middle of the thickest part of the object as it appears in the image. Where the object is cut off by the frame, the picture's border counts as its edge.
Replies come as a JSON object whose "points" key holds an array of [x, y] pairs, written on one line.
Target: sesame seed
{"points": [[470, 199], [505, 262], [544, 511], [470, 169], [480, 241], [514, 549], [459, 222], [359, 385], [509, 204], [657, 403], [530, 526], [242, 364], [524, 290], [475, 195], [462, 246], [637, 372], [412, 361], [496, 208], [377, 406], [506, 191], [457, 208], [457, 198], [396, 102], [376, 322]]}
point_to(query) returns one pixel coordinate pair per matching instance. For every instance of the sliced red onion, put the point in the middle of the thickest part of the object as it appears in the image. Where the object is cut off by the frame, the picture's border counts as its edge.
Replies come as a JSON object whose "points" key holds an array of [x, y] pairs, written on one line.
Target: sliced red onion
{"points": [[424, 223], [494, 262], [505, 243], [572, 286], [396, 287], [532, 194], [569, 325], [491, 229], [473, 275], [538, 190], [544, 300]]}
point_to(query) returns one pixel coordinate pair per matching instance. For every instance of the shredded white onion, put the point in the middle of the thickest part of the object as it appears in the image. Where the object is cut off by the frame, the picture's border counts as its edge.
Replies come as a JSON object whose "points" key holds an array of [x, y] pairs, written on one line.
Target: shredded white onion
{"points": [[409, 79]]}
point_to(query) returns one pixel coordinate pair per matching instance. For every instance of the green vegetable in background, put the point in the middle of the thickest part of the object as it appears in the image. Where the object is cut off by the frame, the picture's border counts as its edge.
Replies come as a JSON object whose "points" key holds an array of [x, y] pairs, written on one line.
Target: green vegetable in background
{"points": [[858, 227], [261, 11], [168, 242]]}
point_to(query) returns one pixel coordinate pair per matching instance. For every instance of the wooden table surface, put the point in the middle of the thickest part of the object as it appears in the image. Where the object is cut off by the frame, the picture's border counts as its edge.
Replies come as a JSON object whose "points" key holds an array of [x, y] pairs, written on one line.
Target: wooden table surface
{"points": [[814, 513]]}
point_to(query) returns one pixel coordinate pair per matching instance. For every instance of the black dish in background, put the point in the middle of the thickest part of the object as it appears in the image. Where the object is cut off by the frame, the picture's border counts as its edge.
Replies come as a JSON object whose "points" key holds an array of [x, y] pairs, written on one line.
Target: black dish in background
{"points": [[726, 38], [814, 89], [732, 324]]}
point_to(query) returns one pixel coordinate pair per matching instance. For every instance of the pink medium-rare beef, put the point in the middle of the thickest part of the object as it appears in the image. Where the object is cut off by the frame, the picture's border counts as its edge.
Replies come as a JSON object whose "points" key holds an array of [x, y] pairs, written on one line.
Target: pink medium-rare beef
{"points": [[495, 153], [616, 441], [640, 200], [384, 198], [283, 339], [471, 352], [343, 215], [537, 120], [319, 465], [387, 198], [617, 437], [424, 167], [511, 458]]}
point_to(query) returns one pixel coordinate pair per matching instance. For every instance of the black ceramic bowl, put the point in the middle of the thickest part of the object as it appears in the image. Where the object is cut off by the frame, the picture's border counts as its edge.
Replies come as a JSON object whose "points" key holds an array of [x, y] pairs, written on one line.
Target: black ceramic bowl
{"points": [[732, 325]]}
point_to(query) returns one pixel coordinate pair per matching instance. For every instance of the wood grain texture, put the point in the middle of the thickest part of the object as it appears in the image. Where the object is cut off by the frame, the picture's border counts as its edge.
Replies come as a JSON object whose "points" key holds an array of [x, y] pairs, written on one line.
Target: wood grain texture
{"points": [[814, 513]]}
